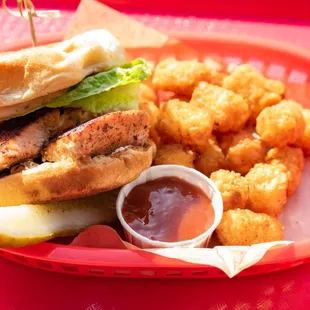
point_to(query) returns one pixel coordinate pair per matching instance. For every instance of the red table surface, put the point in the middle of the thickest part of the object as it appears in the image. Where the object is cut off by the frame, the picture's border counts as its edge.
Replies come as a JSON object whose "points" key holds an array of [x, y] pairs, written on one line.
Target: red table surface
{"points": [[282, 290], [285, 290], [282, 20]]}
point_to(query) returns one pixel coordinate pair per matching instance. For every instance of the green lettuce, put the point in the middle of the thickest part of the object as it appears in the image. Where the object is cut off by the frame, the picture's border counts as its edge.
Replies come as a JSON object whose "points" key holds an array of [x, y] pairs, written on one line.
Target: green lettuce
{"points": [[122, 98], [116, 89]]}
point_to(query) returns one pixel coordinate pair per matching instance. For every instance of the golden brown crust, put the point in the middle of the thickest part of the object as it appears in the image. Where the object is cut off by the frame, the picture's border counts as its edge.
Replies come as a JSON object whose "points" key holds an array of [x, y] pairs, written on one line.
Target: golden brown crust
{"points": [[67, 180], [233, 187], [36, 72], [244, 228]]}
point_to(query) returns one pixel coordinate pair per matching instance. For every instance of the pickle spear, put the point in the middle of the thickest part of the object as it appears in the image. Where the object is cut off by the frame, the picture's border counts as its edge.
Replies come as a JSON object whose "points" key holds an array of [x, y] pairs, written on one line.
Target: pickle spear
{"points": [[31, 224]]}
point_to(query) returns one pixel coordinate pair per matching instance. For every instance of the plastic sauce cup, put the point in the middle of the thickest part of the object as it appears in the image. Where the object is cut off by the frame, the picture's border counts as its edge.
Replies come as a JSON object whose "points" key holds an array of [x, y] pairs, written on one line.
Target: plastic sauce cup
{"points": [[189, 175]]}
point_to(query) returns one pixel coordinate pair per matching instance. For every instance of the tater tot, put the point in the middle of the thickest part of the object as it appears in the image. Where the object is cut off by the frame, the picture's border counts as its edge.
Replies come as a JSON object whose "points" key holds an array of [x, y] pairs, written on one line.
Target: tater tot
{"points": [[293, 160], [213, 64], [243, 150], [219, 70], [304, 141], [166, 96], [245, 228], [281, 124], [218, 78], [253, 86], [153, 111], [180, 77], [233, 187], [147, 93], [230, 111], [210, 158], [267, 188], [185, 123], [174, 154]]}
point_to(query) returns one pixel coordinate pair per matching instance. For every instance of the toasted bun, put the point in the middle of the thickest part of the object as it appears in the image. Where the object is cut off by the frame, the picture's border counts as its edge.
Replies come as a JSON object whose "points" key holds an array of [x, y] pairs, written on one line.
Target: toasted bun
{"points": [[41, 71], [50, 182]]}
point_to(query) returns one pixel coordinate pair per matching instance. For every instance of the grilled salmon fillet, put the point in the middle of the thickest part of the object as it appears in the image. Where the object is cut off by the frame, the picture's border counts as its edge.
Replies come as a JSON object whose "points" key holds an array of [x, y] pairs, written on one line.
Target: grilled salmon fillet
{"points": [[101, 135], [23, 138]]}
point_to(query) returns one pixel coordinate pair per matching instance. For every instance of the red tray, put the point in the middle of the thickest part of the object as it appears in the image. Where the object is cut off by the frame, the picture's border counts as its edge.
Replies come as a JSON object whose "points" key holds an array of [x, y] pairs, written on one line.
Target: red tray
{"points": [[90, 291], [271, 58]]}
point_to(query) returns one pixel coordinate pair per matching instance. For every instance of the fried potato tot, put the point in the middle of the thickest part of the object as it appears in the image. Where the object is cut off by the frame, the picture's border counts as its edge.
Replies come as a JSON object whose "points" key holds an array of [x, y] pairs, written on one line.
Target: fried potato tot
{"points": [[293, 160], [219, 70], [243, 150], [245, 228], [304, 141], [147, 93], [184, 123], [181, 77], [174, 154], [210, 158], [267, 188], [282, 124], [153, 111], [233, 187], [218, 78], [230, 111], [166, 96], [214, 65], [254, 87]]}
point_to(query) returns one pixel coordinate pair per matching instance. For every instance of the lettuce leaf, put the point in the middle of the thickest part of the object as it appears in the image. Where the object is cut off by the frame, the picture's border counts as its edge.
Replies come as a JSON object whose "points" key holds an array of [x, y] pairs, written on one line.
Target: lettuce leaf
{"points": [[122, 98], [92, 94]]}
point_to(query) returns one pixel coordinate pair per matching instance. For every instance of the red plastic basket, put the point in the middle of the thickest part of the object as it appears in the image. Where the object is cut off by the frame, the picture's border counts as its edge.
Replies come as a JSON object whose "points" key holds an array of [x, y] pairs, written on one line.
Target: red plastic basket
{"points": [[55, 267], [285, 62]]}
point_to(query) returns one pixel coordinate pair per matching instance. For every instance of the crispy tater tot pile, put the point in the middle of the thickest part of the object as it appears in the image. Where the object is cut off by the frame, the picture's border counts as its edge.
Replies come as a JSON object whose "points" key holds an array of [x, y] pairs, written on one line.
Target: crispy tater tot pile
{"points": [[237, 127]]}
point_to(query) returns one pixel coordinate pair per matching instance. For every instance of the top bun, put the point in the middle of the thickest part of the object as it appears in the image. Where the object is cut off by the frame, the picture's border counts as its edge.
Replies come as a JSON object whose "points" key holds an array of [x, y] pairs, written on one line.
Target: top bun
{"points": [[43, 71]]}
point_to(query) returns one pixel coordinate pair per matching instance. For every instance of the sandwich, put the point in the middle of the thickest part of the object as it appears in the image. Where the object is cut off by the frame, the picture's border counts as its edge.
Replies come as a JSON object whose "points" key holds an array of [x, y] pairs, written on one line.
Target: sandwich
{"points": [[70, 126]]}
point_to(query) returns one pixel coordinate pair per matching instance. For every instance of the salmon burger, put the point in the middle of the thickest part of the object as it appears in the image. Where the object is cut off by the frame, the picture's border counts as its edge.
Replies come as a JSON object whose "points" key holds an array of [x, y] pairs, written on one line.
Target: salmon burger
{"points": [[70, 125]]}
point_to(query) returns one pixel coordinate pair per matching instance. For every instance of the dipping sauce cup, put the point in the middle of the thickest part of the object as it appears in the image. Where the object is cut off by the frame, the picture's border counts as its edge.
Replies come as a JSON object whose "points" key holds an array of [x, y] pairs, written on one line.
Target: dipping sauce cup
{"points": [[191, 177]]}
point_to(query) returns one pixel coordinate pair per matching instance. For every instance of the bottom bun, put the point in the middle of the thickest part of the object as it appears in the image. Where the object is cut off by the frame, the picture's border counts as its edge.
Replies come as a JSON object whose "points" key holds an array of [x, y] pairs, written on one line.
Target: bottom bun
{"points": [[65, 180]]}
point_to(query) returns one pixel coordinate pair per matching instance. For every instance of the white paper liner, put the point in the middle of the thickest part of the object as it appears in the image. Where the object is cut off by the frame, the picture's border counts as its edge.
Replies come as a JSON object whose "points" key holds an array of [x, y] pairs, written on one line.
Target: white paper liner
{"points": [[230, 259]]}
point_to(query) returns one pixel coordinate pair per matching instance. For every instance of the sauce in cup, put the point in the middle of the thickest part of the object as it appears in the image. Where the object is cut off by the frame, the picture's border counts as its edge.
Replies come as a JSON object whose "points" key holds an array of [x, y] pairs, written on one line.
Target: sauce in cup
{"points": [[168, 209]]}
